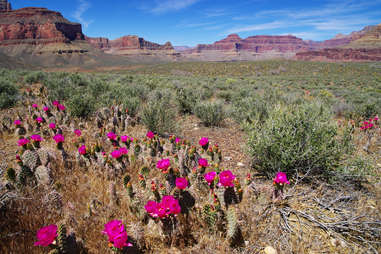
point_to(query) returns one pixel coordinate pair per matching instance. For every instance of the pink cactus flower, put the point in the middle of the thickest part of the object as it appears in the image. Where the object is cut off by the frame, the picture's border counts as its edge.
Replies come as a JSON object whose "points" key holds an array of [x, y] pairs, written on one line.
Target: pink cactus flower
{"points": [[116, 234], [177, 140], [116, 154], [82, 150], [151, 208], [209, 177], [150, 135], [171, 205], [59, 138], [61, 107], [22, 142], [46, 109], [375, 118], [163, 164], [226, 178], [125, 139], [52, 126], [34, 105], [39, 119], [111, 135], [181, 183], [77, 132], [203, 162], [46, 235], [56, 103], [17, 122], [36, 138], [123, 150], [204, 141], [281, 178]]}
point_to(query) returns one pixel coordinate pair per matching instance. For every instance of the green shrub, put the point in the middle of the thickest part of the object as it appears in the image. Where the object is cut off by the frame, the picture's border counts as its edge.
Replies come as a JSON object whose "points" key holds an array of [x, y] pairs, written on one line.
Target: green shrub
{"points": [[210, 113], [159, 116], [81, 106], [8, 94], [132, 104], [186, 99], [34, 77], [249, 110], [296, 139]]}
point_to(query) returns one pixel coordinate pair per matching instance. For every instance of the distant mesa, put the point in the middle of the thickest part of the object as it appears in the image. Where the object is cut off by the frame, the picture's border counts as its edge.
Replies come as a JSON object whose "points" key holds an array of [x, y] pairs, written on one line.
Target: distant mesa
{"points": [[127, 44]]}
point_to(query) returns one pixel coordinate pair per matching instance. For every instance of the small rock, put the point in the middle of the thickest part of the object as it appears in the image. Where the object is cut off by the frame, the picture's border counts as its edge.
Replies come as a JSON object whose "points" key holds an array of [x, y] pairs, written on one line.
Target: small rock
{"points": [[240, 164], [270, 250], [228, 158], [43, 175]]}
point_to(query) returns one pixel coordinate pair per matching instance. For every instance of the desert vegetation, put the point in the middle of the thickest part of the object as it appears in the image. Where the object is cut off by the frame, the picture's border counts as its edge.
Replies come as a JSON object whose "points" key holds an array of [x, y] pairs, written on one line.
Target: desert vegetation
{"points": [[192, 158]]}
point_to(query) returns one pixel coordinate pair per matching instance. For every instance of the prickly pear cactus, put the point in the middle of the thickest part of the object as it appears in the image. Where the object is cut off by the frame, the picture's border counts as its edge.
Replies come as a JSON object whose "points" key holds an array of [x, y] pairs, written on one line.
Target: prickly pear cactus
{"points": [[30, 159]]}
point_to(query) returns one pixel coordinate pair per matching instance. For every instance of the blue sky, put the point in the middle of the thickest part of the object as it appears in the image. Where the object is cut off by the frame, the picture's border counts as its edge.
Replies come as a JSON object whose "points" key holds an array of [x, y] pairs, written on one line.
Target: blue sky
{"points": [[190, 22]]}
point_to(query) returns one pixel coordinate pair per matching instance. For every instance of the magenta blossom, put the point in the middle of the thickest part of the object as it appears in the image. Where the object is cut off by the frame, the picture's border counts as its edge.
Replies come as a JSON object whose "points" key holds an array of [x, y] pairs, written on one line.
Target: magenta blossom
{"points": [[39, 119], [17, 122], [204, 141], [52, 126], [171, 205], [150, 135], [22, 142], [163, 164], [59, 138], [116, 154], [46, 109], [125, 139], [82, 150], [281, 178], [181, 183], [227, 178], [36, 138], [56, 103], [123, 150], [46, 235], [203, 162], [209, 177], [111, 135], [34, 105], [177, 140], [77, 132], [61, 107], [151, 208], [116, 234]]}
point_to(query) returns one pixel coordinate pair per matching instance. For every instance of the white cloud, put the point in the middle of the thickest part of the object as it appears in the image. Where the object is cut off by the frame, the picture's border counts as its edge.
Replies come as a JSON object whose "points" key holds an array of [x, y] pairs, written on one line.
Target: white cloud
{"points": [[81, 9], [257, 27], [164, 6]]}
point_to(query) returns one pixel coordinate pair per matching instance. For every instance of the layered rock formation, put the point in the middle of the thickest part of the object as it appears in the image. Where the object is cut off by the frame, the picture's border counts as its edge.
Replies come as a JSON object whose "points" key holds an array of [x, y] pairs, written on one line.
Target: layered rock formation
{"points": [[257, 44], [5, 6], [341, 54], [127, 44], [37, 26]]}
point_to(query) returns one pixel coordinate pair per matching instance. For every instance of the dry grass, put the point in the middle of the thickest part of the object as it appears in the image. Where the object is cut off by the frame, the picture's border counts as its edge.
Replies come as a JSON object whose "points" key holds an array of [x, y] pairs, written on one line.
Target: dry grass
{"points": [[315, 218]]}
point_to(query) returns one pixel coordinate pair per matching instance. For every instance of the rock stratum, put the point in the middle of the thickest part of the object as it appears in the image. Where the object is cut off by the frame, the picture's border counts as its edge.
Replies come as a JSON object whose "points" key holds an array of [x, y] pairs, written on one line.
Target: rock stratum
{"points": [[36, 26], [364, 45], [130, 44]]}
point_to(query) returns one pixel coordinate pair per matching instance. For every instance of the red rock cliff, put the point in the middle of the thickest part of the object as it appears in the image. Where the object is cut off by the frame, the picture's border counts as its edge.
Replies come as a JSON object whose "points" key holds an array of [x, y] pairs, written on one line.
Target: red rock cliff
{"points": [[258, 44], [129, 42], [37, 26]]}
